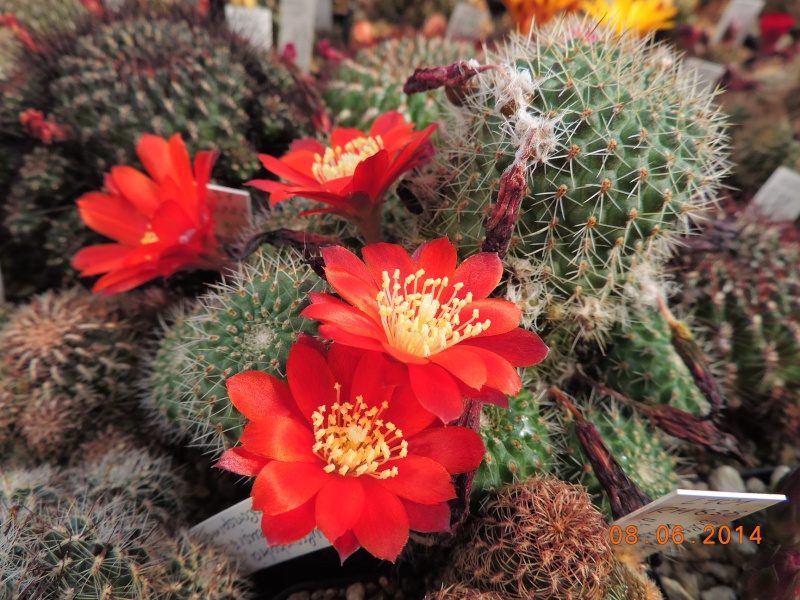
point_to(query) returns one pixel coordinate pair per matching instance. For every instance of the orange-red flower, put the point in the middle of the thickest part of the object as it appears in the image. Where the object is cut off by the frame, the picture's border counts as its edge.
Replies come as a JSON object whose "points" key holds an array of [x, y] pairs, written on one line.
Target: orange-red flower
{"points": [[526, 12], [338, 450], [432, 318], [353, 175], [162, 223]]}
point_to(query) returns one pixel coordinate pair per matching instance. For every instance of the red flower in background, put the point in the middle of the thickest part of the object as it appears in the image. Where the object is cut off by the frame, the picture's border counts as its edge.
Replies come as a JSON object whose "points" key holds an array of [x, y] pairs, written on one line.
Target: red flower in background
{"points": [[432, 318], [163, 223], [353, 175], [772, 27], [337, 450]]}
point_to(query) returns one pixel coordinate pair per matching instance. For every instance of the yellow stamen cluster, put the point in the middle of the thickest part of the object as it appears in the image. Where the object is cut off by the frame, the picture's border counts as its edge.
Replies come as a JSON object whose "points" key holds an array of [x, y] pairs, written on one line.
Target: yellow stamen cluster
{"points": [[149, 237], [354, 441], [342, 162], [416, 319]]}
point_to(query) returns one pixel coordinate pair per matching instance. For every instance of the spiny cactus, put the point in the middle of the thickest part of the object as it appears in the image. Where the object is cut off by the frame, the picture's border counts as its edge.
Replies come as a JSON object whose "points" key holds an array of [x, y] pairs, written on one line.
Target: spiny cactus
{"points": [[248, 322], [540, 538], [761, 145], [629, 582], [45, 17], [746, 293], [518, 443], [459, 591], [643, 365], [626, 155], [371, 83], [633, 442], [65, 356]]}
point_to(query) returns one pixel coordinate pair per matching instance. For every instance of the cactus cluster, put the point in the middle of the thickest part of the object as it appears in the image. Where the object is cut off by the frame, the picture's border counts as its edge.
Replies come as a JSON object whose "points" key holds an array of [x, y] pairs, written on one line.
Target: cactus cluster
{"points": [[248, 322], [371, 83], [412, 13], [540, 538], [628, 155], [745, 295], [66, 358]]}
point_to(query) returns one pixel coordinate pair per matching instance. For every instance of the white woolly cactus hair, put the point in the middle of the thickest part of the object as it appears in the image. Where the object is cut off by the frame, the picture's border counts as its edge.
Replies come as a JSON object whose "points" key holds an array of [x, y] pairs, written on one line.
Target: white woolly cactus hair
{"points": [[623, 155]]}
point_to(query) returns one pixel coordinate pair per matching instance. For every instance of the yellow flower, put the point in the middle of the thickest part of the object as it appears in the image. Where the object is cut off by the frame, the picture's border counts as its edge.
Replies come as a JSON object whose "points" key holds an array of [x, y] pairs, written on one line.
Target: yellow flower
{"points": [[640, 16], [525, 12], [245, 3]]}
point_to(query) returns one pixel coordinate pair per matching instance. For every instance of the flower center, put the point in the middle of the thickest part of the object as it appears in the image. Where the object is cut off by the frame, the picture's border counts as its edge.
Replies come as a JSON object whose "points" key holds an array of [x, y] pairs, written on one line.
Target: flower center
{"points": [[354, 440], [417, 321], [342, 162], [149, 237]]}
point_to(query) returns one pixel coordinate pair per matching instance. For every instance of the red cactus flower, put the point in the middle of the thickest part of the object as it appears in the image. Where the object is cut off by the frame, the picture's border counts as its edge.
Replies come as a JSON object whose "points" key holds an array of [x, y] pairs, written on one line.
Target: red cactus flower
{"points": [[163, 223], [337, 450], [23, 35], [354, 174], [772, 27], [446, 338], [46, 130]]}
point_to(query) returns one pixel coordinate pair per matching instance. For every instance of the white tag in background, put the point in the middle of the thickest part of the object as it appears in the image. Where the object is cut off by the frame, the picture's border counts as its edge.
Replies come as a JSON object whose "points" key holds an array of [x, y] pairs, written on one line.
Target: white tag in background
{"points": [[466, 22], [233, 213], [298, 18], [253, 24], [702, 75], [742, 14], [779, 197], [324, 18], [238, 530], [693, 510]]}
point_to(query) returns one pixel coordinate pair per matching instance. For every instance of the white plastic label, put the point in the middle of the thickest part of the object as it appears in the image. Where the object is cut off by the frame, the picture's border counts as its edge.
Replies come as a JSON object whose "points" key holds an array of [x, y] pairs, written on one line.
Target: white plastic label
{"points": [[702, 74], [466, 22], [298, 18], [324, 18], [779, 197], [253, 24], [742, 15], [238, 530], [681, 515], [233, 213]]}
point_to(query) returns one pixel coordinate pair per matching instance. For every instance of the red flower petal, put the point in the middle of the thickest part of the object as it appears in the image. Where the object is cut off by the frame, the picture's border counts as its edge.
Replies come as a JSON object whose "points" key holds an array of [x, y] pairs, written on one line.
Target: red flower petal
{"points": [[345, 316], [112, 216], [370, 177], [386, 257], [346, 545], [439, 259], [383, 526], [153, 151], [357, 292], [309, 145], [286, 172], [406, 412], [341, 258], [480, 274], [502, 375], [137, 188], [182, 171], [343, 361], [427, 518], [463, 364], [280, 438], [457, 449], [503, 314], [240, 461], [123, 280], [339, 505], [332, 332], [436, 391], [310, 379], [172, 224], [421, 480], [403, 356], [259, 395], [520, 347], [386, 122], [367, 380], [341, 136], [289, 527], [100, 259], [282, 486]]}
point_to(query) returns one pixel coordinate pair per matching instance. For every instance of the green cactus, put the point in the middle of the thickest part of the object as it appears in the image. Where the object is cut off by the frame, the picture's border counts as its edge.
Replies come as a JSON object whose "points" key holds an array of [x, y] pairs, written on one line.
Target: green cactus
{"points": [[643, 365], [248, 322], [761, 145], [625, 155], [413, 12], [66, 357], [540, 538], [518, 443], [746, 294], [44, 18], [633, 442], [371, 83]]}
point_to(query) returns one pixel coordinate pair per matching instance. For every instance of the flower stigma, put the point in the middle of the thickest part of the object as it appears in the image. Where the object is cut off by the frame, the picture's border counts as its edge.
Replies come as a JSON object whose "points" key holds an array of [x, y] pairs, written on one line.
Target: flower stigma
{"points": [[417, 321], [342, 162], [354, 441]]}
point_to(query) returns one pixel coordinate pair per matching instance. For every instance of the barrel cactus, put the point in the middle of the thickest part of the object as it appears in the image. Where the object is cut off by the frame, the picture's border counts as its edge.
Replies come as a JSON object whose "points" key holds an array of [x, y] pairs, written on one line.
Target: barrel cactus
{"points": [[625, 155]]}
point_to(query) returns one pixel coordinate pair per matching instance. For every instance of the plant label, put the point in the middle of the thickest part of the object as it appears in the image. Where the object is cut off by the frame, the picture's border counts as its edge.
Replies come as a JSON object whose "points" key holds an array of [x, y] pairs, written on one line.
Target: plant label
{"points": [[703, 74], [324, 18], [466, 22], [741, 15], [681, 516], [253, 24], [298, 18], [779, 197], [233, 213], [238, 530]]}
